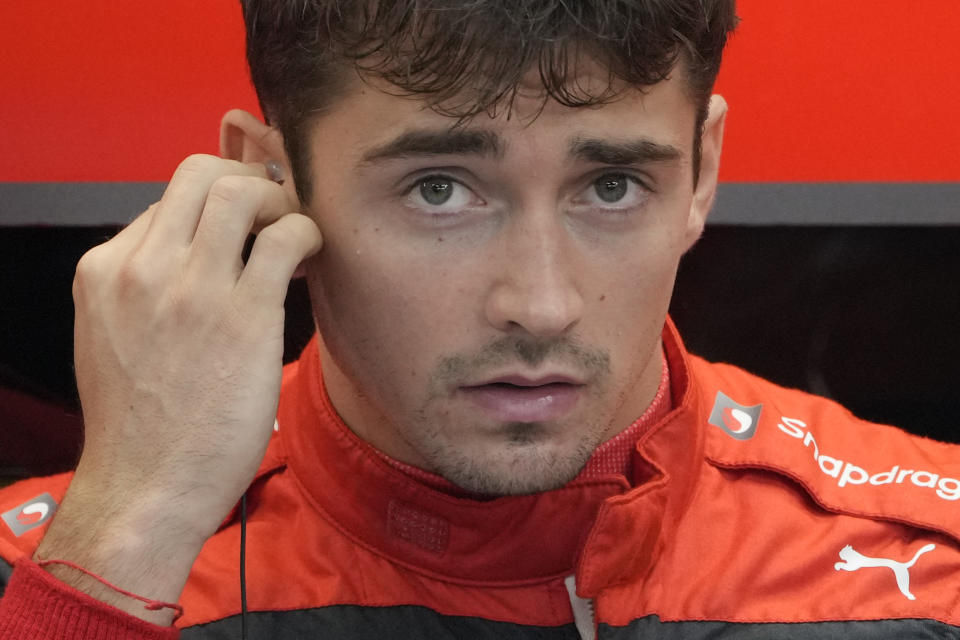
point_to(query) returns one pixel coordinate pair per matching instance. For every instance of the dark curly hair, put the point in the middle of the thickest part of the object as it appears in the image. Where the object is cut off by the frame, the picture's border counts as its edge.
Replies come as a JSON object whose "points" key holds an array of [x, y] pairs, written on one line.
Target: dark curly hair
{"points": [[469, 56]]}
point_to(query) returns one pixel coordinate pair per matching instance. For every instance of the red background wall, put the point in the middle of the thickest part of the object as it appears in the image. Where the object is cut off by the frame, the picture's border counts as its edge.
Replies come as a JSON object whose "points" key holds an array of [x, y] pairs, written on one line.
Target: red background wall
{"points": [[820, 90]]}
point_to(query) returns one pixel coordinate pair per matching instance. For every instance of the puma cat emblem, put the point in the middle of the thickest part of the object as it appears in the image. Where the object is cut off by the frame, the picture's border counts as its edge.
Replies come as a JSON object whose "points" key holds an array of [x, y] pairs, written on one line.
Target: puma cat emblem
{"points": [[854, 560]]}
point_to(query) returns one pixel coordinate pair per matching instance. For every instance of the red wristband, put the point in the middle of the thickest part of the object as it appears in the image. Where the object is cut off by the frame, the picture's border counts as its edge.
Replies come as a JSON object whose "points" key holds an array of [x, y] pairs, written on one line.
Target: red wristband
{"points": [[149, 605]]}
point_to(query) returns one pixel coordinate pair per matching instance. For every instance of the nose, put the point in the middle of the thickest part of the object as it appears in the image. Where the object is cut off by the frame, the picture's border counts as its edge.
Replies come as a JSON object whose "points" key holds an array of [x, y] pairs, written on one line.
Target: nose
{"points": [[537, 290]]}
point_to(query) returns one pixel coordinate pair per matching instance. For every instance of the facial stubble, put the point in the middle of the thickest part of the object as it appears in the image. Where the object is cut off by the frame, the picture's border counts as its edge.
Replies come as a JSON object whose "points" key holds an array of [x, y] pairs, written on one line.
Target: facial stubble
{"points": [[525, 457]]}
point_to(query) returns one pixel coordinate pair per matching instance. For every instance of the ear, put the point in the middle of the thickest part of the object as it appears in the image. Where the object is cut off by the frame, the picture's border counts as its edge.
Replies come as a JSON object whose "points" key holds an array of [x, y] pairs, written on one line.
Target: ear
{"points": [[711, 144], [243, 137]]}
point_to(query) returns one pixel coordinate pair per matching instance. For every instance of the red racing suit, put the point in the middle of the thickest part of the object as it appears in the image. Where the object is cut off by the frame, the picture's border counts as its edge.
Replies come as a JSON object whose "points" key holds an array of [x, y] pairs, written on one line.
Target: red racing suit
{"points": [[754, 512]]}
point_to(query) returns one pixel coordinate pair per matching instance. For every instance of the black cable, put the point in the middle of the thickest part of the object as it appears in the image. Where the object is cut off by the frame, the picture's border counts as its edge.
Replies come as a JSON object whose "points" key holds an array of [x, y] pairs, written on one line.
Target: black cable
{"points": [[243, 567]]}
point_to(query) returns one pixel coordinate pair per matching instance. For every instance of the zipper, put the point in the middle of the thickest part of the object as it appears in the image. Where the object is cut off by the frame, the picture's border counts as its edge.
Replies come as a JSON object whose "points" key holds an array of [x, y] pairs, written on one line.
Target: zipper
{"points": [[583, 616]]}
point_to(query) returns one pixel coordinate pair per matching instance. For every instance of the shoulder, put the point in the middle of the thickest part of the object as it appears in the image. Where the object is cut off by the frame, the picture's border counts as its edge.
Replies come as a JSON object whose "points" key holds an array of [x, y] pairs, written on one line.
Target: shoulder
{"points": [[845, 464], [804, 494], [26, 509]]}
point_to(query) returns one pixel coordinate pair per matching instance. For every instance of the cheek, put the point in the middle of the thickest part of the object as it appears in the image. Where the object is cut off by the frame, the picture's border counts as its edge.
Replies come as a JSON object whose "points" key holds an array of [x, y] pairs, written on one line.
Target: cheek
{"points": [[643, 261], [355, 290], [380, 306], [630, 292]]}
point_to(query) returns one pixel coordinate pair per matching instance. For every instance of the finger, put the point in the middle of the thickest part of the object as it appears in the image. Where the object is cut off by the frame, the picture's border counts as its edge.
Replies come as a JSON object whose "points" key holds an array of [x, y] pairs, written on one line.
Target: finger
{"points": [[132, 235], [176, 219], [125, 241], [278, 250], [235, 205]]}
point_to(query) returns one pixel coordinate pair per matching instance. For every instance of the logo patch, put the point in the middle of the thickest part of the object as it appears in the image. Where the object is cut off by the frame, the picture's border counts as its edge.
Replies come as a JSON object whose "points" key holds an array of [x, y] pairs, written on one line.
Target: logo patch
{"points": [[848, 474], [854, 560], [30, 514], [737, 420]]}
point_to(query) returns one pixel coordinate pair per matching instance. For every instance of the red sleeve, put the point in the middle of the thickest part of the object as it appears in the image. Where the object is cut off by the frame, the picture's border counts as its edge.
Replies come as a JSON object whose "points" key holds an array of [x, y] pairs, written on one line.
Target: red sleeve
{"points": [[36, 605]]}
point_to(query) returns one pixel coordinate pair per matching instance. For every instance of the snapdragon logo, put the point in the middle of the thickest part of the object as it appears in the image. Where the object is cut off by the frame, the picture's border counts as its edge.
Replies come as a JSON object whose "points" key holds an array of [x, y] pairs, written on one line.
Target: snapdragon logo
{"points": [[848, 473], [30, 515], [737, 420]]}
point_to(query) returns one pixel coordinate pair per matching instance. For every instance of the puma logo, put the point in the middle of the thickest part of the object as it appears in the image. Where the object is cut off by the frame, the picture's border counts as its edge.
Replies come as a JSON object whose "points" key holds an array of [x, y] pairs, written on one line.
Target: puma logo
{"points": [[853, 560]]}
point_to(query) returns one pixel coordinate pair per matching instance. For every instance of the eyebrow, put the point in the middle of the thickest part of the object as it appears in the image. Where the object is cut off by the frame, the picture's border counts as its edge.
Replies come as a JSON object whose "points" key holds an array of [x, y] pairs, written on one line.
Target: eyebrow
{"points": [[430, 142], [627, 152]]}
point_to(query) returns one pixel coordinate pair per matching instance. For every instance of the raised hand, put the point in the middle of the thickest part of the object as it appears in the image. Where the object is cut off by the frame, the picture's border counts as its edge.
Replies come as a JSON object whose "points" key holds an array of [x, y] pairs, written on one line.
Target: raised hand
{"points": [[178, 349]]}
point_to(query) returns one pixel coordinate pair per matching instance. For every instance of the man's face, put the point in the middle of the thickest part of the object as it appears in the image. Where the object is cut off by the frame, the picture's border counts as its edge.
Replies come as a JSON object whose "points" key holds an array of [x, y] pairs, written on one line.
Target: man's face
{"points": [[491, 297]]}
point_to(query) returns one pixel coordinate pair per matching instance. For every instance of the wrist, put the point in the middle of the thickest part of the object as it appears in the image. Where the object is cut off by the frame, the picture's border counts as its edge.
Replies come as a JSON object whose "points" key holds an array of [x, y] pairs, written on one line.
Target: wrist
{"points": [[37, 605], [152, 611], [133, 549]]}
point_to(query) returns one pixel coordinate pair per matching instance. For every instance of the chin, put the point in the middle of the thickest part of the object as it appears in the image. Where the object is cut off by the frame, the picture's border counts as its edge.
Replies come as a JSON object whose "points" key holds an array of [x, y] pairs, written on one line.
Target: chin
{"points": [[520, 468]]}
